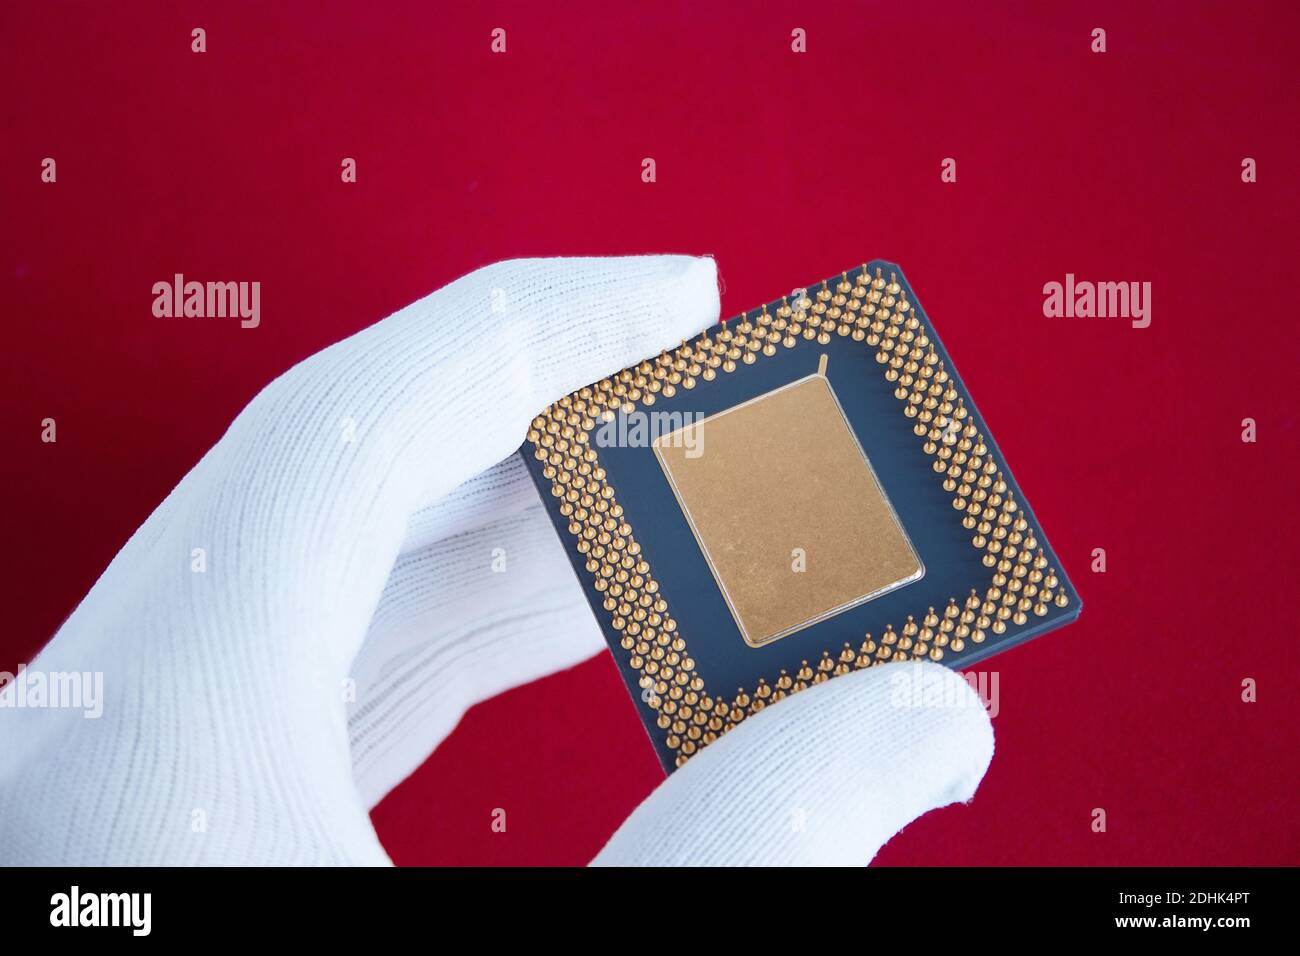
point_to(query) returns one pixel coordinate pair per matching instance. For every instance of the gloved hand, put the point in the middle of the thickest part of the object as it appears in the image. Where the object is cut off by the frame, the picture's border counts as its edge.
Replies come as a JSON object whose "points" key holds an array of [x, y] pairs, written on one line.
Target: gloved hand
{"points": [[347, 522]]}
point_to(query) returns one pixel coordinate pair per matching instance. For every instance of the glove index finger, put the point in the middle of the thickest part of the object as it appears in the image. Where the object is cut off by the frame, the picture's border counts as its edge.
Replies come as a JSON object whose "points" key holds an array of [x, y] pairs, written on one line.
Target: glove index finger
{"points": [[317, 478]]}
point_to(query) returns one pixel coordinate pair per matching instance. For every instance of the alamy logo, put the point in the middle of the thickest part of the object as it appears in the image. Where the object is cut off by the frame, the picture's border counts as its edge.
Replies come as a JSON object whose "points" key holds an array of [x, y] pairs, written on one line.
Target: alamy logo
{"points": [[56, 690], [74, 908], [642, 429], [210, 300], [913, 687], [1098, 300]]}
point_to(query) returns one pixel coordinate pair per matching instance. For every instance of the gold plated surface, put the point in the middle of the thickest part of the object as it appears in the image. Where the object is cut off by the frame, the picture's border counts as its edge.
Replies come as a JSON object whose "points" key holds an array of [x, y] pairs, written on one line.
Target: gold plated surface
{"points": [[834, 543]]}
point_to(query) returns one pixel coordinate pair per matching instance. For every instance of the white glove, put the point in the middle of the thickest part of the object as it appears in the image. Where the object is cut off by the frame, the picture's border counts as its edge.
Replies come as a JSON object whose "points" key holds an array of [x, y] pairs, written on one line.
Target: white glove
{"points": [[347, 522]]}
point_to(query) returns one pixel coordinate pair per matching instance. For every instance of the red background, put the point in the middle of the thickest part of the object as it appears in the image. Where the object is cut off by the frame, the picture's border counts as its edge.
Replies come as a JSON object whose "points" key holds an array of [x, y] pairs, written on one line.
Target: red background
{"points": [[1122, 166]]}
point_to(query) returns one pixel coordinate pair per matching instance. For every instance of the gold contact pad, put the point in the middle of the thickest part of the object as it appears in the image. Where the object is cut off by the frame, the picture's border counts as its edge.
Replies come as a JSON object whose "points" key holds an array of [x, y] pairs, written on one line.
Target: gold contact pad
{"points": [[779, 483]]}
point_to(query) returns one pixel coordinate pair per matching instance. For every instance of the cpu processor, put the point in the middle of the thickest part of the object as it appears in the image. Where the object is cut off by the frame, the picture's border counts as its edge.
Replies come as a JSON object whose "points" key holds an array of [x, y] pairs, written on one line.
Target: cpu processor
{"points": [[803, 491]]}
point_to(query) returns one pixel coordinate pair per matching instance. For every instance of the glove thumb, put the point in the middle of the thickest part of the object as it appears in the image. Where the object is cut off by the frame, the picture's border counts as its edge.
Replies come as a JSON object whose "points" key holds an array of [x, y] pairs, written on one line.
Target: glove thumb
{"points": [[822, 778]]}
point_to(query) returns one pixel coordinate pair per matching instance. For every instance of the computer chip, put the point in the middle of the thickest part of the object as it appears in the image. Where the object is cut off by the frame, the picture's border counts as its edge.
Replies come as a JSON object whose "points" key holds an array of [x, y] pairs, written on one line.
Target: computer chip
{"points": [[804, 491]]}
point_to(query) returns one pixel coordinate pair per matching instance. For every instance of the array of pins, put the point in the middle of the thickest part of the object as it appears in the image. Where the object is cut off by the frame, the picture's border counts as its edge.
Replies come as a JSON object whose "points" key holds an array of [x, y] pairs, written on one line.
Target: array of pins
{"points": [[866, 309]]}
